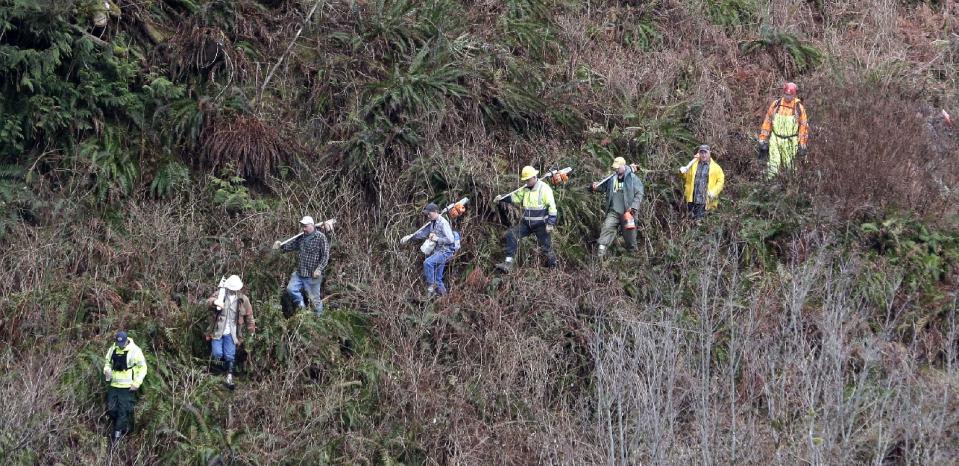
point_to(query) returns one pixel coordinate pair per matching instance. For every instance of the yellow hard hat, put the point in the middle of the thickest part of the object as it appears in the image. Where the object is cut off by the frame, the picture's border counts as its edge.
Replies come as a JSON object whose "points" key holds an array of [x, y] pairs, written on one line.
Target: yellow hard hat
{"points": [[618, 162], [528, 172]]}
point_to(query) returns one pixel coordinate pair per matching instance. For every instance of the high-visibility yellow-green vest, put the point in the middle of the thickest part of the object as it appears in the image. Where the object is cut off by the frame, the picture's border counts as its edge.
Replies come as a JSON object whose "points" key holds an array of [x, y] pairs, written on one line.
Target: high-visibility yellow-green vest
{"points": [[128, 365], [537, 203]]}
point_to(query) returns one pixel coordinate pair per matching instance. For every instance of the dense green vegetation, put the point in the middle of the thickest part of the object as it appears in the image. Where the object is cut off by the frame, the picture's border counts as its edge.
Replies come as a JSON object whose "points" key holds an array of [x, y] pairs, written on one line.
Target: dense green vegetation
{"points": [[809, 319]]}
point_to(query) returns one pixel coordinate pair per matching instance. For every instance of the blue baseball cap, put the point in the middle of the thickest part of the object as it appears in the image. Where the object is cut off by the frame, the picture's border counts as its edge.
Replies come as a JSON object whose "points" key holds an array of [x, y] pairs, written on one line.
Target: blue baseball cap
{"points": [[431, 207], [121, 338]]}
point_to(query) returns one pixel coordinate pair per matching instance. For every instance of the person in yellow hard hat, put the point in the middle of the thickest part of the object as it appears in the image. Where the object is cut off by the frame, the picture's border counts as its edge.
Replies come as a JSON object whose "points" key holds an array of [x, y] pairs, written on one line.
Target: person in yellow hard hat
{"points": [[539, 218], [704, 181], [624, 194], [785, 131]]}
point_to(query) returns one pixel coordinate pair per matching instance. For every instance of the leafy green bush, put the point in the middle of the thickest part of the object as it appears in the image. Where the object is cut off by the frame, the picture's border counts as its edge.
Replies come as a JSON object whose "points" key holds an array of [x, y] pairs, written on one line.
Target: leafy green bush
{"points": [[732, 13], [70, 93], [231, 194], [793, 54]]}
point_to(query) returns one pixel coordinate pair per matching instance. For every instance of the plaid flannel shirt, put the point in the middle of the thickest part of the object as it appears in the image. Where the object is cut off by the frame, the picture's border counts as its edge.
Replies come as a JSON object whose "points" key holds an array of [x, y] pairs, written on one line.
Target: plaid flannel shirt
{"points": [[313, 250]]}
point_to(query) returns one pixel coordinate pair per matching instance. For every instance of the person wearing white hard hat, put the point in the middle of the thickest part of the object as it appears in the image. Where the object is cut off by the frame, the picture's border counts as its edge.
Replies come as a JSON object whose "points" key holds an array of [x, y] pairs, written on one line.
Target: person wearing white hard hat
{"points": [[229, 315], [313, 250]]}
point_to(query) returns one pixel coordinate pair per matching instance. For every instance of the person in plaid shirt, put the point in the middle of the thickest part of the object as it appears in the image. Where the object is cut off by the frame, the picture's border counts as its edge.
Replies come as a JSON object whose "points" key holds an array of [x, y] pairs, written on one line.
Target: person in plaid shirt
{"points": [[313, 249]]}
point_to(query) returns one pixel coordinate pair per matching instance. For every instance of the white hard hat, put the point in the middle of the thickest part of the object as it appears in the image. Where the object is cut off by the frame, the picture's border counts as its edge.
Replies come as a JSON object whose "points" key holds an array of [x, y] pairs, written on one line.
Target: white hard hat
{"points": [[233, 283], [307, 220]]}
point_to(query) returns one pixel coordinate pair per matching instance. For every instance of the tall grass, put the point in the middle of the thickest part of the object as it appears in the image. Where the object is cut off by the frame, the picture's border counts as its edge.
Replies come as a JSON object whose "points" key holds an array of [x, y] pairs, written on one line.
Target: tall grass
{"points": [[807, 320]]}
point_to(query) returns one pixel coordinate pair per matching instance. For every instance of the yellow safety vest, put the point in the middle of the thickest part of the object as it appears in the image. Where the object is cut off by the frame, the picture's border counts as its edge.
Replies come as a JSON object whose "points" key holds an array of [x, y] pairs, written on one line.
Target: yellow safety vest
{"points": [[537, 203], [129, 367]]}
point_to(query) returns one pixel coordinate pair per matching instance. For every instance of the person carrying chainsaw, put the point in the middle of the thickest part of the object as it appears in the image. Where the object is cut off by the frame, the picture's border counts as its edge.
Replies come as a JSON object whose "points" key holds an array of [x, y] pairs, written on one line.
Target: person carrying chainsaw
{"points": [[124, 367], [313, 251], [704, 180], [785, 131], [440, 233], [539, 218], [229, 313], [624, 194]]}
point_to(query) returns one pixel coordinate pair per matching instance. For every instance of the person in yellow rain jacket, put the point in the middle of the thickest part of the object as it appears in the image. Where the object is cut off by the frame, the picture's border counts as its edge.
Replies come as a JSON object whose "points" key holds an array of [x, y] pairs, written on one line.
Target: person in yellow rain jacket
{"points": [[539, 218], [704, 181], [785, 131], [125, 368]]}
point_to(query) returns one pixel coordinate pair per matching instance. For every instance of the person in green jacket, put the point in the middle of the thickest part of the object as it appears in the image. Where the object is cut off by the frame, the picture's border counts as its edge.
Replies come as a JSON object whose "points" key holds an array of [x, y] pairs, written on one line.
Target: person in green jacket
{"points": [[624, 194], [125, 368]]}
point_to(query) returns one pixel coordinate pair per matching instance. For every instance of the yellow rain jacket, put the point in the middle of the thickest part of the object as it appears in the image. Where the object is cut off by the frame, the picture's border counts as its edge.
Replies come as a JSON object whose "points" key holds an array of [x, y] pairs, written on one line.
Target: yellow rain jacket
{"points": [[717, 179], [127, 364]]}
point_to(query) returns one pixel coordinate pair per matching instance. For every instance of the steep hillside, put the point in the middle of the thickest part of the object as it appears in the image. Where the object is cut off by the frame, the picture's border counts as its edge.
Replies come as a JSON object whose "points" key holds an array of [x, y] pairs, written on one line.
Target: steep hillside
{"points": [[149, 147]]}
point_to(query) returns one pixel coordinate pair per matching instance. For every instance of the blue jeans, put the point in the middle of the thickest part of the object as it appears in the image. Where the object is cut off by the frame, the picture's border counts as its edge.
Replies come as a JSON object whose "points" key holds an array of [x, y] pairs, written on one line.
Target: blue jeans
{"points": [[313, 287], [224, 348], [433, 268]]}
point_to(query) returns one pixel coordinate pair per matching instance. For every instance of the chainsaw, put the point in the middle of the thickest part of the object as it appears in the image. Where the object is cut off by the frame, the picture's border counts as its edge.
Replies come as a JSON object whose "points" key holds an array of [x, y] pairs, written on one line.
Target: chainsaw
{"points": [[629, 223]]}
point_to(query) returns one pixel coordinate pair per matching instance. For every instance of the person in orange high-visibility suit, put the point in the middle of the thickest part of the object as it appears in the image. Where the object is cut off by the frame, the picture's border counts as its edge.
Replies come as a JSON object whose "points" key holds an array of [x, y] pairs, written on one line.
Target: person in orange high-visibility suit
{"points": [[785, 131]]}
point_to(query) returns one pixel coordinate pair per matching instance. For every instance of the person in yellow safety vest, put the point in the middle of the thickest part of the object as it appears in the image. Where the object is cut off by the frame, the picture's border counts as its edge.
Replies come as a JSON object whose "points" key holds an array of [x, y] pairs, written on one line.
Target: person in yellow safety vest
{"points": [[785, 131], [704, 181], [539, 218], [125, 368]]}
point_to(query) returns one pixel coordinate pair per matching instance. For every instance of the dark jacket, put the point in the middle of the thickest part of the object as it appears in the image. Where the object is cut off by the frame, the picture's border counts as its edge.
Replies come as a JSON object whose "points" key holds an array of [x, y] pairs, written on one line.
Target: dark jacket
{"points": [[632, 188]]}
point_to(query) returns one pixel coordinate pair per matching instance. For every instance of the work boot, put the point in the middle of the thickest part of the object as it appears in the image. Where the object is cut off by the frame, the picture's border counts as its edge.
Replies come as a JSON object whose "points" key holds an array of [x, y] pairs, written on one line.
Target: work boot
{"points": [[551, 262], [601, 252], [115, 438], [229, 376], [505, 266], [430, 290]]}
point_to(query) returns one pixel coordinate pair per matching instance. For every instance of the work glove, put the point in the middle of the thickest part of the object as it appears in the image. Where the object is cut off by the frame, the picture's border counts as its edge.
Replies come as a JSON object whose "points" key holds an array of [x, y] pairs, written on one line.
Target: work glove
{"points": [[683, 170], [276, 245], [550, 228], [762, 150], [108, 374], [432, 237], [802, 152], [317, 273], [406, 239], [134, 387], [711, 196]]}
